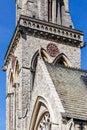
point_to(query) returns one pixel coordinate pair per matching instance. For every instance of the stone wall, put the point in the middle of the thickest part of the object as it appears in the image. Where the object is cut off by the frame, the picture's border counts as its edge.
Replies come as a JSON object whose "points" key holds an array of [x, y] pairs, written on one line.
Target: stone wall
{"points": [[43, 87], [39, 9], [24, 52], [21, 97], [33, 44], [14, 92]]}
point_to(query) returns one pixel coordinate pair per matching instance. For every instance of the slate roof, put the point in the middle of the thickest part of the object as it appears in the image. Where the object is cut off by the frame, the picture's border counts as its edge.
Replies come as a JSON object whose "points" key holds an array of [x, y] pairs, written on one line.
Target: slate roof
{"points": [[71, 86]]}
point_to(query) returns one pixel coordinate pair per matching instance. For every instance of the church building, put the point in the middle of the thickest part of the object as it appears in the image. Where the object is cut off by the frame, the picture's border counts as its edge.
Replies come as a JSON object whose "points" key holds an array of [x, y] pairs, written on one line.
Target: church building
{"points": [[46, 89]]}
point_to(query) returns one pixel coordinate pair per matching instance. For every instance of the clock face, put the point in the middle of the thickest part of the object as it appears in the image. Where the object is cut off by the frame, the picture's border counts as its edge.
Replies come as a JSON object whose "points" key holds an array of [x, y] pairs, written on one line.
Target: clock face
{"points": [[52, 49]]}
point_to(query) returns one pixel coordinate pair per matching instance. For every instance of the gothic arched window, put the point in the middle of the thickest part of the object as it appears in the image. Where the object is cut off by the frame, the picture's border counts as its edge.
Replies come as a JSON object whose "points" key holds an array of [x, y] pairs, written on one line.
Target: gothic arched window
{"points": [[42, 52], [62, 59], [33, 67], [41, 116], [44, 122]]}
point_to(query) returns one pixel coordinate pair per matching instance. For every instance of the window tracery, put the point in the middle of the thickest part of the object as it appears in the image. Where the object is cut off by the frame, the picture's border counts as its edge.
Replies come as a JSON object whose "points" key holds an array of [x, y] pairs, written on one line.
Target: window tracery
{"points": [[45, 123]]}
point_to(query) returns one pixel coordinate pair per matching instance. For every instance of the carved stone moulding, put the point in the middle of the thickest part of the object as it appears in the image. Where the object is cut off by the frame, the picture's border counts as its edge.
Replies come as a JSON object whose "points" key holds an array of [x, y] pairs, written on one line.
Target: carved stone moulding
{"points": [[41, 29], [45, 123], [51, 28], [11, 48], [50, 36], [51, 31]]}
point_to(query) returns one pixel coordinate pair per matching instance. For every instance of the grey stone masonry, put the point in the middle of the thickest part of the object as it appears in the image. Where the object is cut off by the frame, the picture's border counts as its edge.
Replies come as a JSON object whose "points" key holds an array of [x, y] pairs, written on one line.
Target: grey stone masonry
{"points": [[39, 23], [47, 10], [31, 35], [69, 39]]}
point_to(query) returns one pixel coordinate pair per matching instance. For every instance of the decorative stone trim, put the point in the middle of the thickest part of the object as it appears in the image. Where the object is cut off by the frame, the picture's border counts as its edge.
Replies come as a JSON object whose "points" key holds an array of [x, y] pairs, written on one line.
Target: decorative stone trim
{"points": [[12, 47], [46, 27], [52, 36], [38, 28]]}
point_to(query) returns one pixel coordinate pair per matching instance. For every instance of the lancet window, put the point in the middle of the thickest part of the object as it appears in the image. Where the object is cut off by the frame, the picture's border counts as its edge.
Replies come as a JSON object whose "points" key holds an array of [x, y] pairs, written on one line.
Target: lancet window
{"points": [[49, 10], [62, 59]]}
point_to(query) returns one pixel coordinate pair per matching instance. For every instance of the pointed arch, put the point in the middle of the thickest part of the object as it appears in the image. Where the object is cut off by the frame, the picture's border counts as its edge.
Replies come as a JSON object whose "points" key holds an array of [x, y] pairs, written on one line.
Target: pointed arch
{"points": [[33, 67], [62, 59], [46, 57], [43, 53], [34, 60], [40, 113]]}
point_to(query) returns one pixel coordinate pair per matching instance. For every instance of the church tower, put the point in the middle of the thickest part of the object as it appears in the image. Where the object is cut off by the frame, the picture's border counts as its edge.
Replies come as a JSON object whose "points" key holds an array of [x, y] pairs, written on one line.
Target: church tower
{"points": [[53, 11], [42, 67]]}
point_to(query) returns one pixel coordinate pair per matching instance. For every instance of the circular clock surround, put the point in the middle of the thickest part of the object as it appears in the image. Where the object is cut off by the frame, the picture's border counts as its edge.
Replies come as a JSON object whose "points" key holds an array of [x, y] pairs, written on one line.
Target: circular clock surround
{"points": [[52, 49]]}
